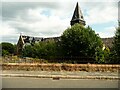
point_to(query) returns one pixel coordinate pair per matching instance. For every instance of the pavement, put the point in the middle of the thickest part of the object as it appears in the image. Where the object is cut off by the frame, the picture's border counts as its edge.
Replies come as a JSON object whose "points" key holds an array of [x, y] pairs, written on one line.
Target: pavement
{"points": [[62, 74], [21, 82]]}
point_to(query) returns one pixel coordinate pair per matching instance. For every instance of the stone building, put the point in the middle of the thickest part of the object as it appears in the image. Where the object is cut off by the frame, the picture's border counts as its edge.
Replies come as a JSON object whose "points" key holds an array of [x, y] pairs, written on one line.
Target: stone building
{"points": [[29, 40], [76, 18]]}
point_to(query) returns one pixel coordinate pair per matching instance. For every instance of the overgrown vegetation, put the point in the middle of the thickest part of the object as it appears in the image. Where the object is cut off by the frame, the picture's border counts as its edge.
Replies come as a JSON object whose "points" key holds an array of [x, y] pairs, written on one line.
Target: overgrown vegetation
{"points": [[8, 48], [78, 44], [44, 50], [115, 52]]}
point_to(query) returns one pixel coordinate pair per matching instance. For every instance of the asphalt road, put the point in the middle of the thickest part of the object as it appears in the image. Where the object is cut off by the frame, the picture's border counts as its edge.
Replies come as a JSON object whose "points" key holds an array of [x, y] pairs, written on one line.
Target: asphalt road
{"points": [[20, 82]]}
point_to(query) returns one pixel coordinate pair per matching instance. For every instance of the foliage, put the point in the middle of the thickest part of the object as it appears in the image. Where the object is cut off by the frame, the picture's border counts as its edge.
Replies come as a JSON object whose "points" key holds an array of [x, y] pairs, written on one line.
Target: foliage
{"points": [[116, 47], [5, 52], [27, 51], [15, 49], [7, 48], [80, 42], [107, 53], [44, 50]]}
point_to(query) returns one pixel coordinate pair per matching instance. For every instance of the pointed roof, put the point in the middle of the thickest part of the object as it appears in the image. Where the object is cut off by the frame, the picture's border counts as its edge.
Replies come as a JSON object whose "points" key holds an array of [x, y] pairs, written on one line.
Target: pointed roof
{"points": [[77, 15], [20, 41]]}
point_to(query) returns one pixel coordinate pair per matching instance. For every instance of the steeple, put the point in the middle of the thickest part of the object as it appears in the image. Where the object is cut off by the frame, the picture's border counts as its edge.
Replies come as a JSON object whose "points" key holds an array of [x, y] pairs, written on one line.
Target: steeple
{"points": [[77, 16]]}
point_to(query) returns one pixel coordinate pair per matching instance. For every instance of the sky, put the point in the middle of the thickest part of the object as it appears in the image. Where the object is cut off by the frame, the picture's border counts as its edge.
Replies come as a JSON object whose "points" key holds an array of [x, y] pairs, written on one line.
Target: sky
{"points": [[50, 19]]}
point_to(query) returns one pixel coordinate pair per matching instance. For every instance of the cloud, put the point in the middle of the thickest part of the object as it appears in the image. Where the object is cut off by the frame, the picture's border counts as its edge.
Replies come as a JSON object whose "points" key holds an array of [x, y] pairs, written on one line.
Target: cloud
{"points": [[119, 10], [107, 32], [33, 21], [11, 9], [48, 19], [8, 34], [59, 1], [103, 12]]}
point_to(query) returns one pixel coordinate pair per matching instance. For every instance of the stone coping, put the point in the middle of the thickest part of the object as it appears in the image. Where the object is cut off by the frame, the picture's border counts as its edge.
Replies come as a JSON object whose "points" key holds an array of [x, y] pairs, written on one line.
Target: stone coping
{"points": [[57, 77]]}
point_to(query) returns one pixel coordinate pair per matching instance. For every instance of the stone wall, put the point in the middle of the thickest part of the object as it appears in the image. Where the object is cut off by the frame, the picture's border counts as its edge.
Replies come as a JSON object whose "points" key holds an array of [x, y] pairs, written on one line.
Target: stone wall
{"points": [[62, 67]]}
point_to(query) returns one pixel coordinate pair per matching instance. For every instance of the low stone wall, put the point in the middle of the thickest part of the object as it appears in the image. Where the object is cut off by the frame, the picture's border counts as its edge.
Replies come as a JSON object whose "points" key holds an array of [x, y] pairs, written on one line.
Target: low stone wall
{"points": [[61, 67]]}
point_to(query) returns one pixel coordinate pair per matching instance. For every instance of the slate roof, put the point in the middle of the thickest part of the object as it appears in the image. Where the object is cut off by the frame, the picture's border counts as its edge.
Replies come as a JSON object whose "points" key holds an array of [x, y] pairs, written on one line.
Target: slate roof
{"points": [[30, 39], [77, 16], [77, 13]]}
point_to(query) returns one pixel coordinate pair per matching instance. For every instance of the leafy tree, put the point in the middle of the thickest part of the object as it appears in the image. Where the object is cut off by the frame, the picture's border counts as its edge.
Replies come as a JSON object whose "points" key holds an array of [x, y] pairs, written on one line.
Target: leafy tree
{"points": [[107, 53], [5, 52], [44, 50], [27, 51], [80, 42], [50, 49], [15, 49], [116, 47], [7, 48]]}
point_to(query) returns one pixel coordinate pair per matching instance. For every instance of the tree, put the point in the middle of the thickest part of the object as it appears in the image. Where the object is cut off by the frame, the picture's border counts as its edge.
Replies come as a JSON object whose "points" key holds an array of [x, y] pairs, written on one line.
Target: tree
{"points": [[43, 50], [27, 51], [50, 50], [7, 48], [80, 42], [116, 47], [15, 49]]}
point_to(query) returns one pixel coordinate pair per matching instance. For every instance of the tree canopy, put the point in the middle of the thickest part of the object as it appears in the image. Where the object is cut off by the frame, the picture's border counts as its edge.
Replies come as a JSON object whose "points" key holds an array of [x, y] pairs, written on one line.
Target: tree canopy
{"points": [[81, 42], [43, 50], [116, 47], [7, 48]]}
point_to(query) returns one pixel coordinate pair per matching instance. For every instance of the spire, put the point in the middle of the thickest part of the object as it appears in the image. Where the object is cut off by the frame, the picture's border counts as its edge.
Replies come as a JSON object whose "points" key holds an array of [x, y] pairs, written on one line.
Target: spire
{"points": [[77, 16]]}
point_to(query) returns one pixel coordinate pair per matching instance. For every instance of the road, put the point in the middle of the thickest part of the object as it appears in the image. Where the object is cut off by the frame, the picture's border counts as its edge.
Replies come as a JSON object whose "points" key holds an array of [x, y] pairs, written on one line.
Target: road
{"points": [[20, 82]]}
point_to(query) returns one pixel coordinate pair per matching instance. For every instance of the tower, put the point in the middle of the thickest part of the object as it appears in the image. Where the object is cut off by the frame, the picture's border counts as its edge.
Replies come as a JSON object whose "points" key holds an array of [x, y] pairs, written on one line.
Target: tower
{"points": [[77, 16]]}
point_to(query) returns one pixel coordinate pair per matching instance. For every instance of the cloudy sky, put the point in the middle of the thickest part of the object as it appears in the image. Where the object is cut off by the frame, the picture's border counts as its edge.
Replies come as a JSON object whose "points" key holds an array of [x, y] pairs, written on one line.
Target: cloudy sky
{"points": [[48, 19]]}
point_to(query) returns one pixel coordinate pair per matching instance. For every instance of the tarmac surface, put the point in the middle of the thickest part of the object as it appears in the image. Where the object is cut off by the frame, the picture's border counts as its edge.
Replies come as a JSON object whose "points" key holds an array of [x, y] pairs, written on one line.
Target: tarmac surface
{"points": [[59, 79], [20, 82]]}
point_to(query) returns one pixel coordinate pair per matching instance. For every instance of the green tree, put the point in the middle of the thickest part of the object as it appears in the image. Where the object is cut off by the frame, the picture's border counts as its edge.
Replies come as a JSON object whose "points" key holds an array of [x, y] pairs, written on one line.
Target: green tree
{"points": [[43, 50], [15, 49], [50, 49], [116, 47], [81, 42], [27, 51], [107, 53], [5, 52], [7, 48]]}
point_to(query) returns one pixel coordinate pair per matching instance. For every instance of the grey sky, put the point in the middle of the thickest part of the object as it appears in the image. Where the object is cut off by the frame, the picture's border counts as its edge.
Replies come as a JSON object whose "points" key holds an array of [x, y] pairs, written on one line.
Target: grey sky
{"points": [[48, 19]]}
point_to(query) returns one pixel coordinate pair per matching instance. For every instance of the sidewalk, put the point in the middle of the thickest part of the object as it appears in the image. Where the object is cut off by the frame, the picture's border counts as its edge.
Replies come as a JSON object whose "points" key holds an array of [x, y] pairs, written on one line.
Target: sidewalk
{"points": [[62, 74]]}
